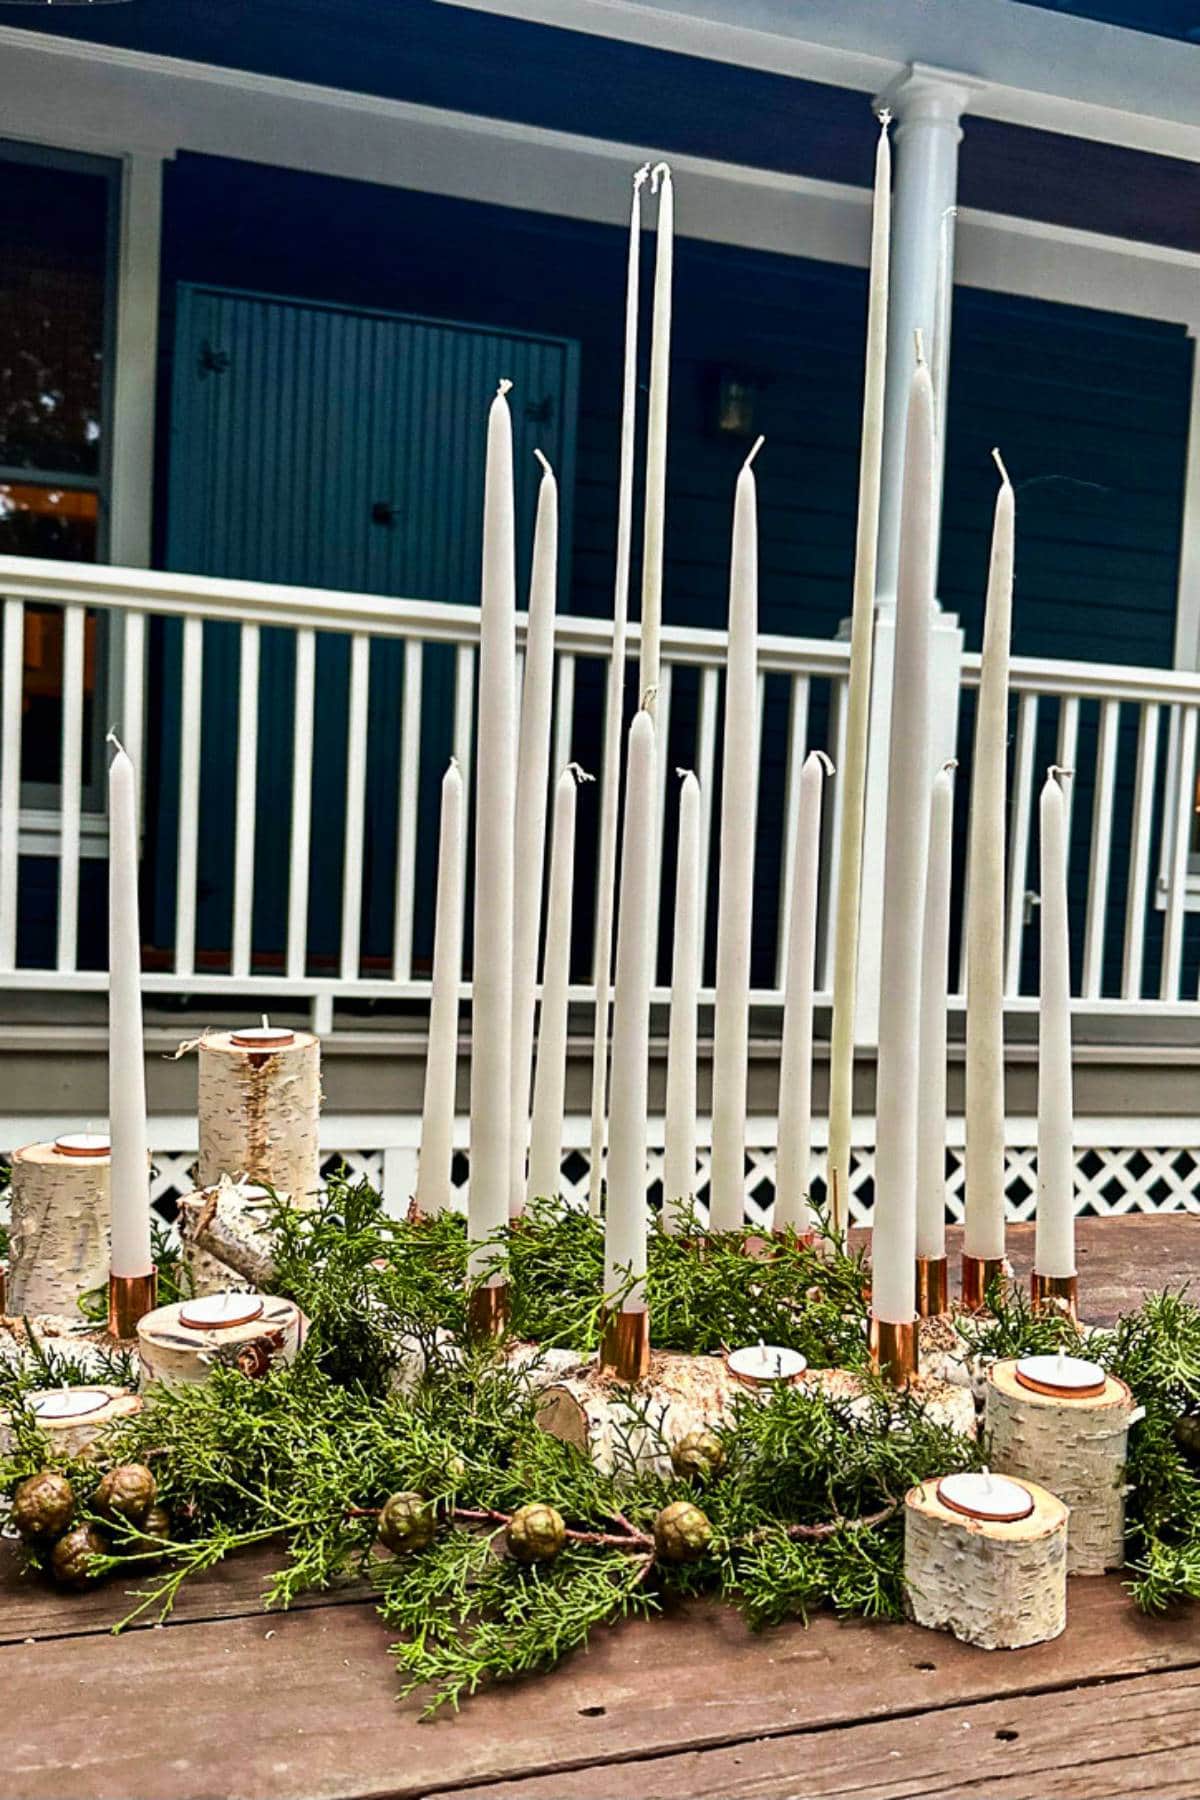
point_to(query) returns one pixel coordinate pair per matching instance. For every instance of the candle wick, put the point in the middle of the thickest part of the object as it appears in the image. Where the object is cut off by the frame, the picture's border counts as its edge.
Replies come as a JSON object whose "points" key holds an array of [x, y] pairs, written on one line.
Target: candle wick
{"points": [[684, 773], [987, 1479], [453, 764], [648, 698], [545, 462], [824, 759], [661, 172], [884, 116], [504, 387], [266, 1022], [110, 737], [641, 175], [999, 462], [1056, 773], [580, 774], [757, 445]]}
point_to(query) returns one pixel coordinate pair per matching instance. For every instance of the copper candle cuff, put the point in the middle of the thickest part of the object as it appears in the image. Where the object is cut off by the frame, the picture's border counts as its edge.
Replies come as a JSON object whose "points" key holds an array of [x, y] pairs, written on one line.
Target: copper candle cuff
{"points": [[933, 1286], [625, 1345], [487, 1312], [1055, 1293], [130, 1298], [894, 1350], [978, 1274]]}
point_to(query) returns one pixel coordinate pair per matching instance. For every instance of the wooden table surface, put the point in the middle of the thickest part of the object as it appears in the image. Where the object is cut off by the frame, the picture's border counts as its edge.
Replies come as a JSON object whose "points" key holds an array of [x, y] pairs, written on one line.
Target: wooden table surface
{"points": [[229, 1700]]}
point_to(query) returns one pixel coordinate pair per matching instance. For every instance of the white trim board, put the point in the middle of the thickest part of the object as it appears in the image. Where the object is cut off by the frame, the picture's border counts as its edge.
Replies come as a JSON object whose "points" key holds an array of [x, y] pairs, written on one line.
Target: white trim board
{"points": [[118, 102]]}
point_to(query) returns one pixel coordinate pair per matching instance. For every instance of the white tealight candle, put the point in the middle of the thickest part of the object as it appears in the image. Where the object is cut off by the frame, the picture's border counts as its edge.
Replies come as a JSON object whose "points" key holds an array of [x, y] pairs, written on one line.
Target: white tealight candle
{"points": [[982, 1495], [212, 1312], [1066, 1377], [66, 1402], [82, 1143], [766, 1363], [262, 1037]]}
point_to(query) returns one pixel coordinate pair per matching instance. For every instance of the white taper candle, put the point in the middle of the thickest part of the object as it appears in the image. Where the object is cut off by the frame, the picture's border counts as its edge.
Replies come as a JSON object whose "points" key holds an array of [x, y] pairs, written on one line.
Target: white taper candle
{"points": [[794, 1151], [656, 433], [129, 1173], [679, 1160], [893, 1243], [931, 1068], [852, 776], [441, 1057], [533, 765], [495, 797], [625, 1212], [549, 1087], [984, 1110], [1054, 1243], [739, 797]]}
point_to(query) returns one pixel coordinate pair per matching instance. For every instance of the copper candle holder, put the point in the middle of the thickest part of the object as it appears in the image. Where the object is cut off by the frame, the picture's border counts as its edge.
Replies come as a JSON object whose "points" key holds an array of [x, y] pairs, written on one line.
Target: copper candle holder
{"points": [[933, 1286], [894, 1350], [130, 1298], [1055, 1293], [488, 1312], [625, 1345], [978, 1273]]}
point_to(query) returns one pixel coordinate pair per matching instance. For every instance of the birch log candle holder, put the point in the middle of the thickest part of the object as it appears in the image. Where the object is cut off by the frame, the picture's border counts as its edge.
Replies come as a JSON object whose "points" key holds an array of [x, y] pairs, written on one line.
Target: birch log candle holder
{"points": [[259, 1109], [73, 1418], [60, 1218], [1063, 1421], [231, 1215], [181, 1344], [985, 1558]]}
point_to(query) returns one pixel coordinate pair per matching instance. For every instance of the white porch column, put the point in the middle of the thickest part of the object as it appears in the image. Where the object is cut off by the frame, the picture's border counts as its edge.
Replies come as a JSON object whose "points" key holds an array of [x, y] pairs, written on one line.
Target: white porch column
{"points": [[927, 105], [135, 367]]}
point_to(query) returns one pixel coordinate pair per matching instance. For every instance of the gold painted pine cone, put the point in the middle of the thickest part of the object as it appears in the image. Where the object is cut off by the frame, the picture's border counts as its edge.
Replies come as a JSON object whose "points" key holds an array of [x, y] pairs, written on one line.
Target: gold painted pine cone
{"points": [[682, 1532], [535, 1533]]}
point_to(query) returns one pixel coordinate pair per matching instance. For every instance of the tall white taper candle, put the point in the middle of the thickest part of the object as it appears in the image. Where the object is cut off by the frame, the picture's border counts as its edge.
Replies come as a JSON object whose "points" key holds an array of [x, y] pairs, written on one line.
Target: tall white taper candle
{"points": [[893, 1241], [495, 796], [545, 1150], [625, 1213], [853, 773], [794, 1150], [533, 765], [610, 790], [441, 1058], [1054, 1243], [931, 1068], [739, 797], [129, 1169], [984, 1112], [656, 434], [679, 1159]]}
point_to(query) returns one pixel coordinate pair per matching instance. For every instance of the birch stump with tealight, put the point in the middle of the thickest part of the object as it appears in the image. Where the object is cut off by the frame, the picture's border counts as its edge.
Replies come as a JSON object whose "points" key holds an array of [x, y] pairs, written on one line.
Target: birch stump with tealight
{"points": [[60, 1223], [72, 1419], [1062, 1421], [985, 1558], [260, 1110], [181, 1344]]}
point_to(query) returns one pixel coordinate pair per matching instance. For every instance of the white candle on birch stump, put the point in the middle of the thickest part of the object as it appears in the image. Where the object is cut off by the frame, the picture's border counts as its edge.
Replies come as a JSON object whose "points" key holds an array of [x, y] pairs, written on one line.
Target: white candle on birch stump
{"points": [[549, 1087], [495, 797], [610, 779], [129, 1174], [983, 1238], [794, 1150], [656, 433], [1054, 1246], [853, 773], [441, 1057], [931, 1081], [679, 1160], [893, 1238], [625, 1213], [533, 765], [739, 797]]}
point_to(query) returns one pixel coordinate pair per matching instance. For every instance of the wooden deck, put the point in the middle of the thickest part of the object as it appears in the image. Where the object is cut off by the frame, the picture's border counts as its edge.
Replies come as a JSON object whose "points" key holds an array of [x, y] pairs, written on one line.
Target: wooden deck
{"points": [[228, 1700]]}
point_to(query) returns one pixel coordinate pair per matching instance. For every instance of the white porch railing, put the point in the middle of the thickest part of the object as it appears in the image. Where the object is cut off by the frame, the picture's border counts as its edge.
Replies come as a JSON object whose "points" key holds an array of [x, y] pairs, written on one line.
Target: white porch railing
{"points": [[1130, 734]]}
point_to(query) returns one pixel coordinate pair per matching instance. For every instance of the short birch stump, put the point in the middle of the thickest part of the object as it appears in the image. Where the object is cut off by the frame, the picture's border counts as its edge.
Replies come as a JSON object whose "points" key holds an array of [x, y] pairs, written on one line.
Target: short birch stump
{"points": [[259, 1113], [999, 1584], [1076, 1446], [59, 1237], [73, 1419], [182, 1343]]}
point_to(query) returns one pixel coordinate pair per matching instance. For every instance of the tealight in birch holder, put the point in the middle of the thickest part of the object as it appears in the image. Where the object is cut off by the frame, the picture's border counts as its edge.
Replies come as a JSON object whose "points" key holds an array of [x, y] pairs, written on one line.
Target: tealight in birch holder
{"points": [[72, 1419], [259, 1109], [985, 1558], [182, 1343], [60, 1217]]}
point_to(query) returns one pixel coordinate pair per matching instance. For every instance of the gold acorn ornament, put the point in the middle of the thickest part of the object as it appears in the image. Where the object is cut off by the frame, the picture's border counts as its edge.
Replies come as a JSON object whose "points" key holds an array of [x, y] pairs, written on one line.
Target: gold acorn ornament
{"points": [[698, 1456], [43, 1506], [71, 1556], [407, 1522], [682, 1532], [125, 1494], [535, 1533]]}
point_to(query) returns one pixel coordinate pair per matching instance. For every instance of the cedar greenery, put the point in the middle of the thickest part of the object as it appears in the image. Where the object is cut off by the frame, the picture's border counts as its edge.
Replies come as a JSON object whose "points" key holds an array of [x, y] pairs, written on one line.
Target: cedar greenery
{"points": [[804, 1507]]}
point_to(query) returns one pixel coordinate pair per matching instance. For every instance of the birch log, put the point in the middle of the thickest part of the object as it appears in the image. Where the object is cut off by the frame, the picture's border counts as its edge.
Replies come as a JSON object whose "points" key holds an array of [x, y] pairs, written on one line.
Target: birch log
{"points": [[225, 1237], [1075, 1447], [175, 1354], [260, 1114], [75, 1437], [59, 1237], [590, 1410], [998, 1585]]}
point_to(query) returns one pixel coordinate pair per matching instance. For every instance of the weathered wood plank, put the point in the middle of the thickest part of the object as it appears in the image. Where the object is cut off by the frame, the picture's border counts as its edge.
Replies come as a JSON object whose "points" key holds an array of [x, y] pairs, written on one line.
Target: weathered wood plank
{"points": [[1137, 1737]]}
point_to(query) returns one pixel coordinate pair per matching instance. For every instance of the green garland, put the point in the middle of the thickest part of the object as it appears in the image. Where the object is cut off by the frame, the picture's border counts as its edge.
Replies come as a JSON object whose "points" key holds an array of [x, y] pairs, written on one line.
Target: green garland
{"points": [[800, 1500]]}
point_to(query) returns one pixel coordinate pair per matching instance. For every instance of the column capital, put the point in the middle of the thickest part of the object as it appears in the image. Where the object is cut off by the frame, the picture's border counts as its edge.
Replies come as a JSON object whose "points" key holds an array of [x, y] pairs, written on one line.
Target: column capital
{"points": [[929, 96]]}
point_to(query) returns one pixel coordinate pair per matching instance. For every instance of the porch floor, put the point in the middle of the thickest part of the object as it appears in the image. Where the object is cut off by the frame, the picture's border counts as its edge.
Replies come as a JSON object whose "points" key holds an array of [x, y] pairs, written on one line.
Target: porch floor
{"points": [[228, 1700]]}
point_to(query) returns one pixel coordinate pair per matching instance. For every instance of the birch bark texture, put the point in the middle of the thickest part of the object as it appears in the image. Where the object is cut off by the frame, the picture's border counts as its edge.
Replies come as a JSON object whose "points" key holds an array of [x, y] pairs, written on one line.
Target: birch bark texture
{"points": [[995, 1584], [70, 1438], [59, 1234], [172, 1353], [260, 1115]]}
